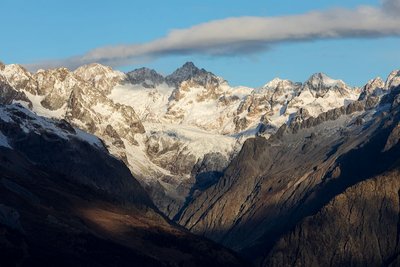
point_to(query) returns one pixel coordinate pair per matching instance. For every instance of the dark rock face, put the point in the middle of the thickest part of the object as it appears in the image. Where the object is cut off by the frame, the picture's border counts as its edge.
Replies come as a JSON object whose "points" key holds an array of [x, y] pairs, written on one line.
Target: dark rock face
{"points": [[393, 138], [189, 72], [276, 194], [302, 120], [84, 156], [9, 217], [206, 173], [359, 227], [65, 201], [148, 78]]}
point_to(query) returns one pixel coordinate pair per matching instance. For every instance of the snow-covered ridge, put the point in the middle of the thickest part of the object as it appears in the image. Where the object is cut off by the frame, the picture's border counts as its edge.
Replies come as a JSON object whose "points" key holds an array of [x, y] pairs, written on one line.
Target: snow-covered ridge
{"points": [[163, 127], [201, 99], [393, 79], [29, 122]]}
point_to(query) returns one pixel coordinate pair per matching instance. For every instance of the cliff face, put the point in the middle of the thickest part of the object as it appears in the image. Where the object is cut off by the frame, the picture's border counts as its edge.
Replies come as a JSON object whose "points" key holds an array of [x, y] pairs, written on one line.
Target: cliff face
{"points": [[359, 227], [273, 185]]}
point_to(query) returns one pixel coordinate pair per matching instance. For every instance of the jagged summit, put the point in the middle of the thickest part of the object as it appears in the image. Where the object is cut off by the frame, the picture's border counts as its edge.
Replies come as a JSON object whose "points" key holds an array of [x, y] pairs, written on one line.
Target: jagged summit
{"points": [[146, 77], [393, 79], [19, 78], [278, 84], [103, 78], [274, 82], [189, 71], [320, 78], [86, 71], [189, 68], [319, 84], [189, 64], [374, 87], [12, 71], [149, 78], [93, 68]]}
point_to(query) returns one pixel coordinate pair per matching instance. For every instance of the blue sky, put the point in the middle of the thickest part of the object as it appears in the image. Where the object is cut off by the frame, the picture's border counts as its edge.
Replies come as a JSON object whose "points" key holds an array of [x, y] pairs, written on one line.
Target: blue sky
{"points": [[40, 30]]}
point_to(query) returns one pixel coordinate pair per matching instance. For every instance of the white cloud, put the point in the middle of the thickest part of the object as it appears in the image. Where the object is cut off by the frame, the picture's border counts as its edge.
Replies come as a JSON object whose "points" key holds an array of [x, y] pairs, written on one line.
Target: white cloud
{"points": [[246, 35]]}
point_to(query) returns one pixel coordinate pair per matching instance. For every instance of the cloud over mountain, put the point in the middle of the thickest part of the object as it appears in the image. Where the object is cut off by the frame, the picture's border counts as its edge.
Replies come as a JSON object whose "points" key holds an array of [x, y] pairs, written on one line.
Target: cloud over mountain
{"points": [[247, 35]]}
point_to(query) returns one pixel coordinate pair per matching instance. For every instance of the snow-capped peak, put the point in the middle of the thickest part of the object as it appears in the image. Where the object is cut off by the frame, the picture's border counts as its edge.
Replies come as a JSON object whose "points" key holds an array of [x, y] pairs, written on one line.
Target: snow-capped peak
{"points": [[19, 77], [273, 83], [393, 79], [320, 78], [376, 83], [92, 71], [278, 84], [190, 72], [101, 77], [14, 71], [319, 84], [374, 87], [184, 73], [188, 68], [92, 67]]}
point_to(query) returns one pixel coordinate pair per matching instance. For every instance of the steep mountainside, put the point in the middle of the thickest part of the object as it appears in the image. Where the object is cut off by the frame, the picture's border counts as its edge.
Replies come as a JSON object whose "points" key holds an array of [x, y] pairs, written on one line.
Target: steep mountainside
{"points": [[65, 201], [358, 227], [257, 170], [205, 102], [272, 186], [164, 128]]}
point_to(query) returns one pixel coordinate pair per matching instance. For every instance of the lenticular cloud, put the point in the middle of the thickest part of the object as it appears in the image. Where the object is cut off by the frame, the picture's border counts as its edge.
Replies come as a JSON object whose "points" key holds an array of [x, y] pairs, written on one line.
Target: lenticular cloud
{"points": [[248, 35]]}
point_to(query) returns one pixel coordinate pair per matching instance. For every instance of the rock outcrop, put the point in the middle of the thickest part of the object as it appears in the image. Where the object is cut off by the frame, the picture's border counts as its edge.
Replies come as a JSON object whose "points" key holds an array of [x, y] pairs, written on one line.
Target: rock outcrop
{"points": [[145, 77]]}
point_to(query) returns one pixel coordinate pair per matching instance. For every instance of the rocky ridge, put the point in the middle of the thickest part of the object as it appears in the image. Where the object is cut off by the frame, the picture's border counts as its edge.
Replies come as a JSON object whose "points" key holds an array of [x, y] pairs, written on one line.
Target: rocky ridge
{"points": [[162, 127], [262, 203]]}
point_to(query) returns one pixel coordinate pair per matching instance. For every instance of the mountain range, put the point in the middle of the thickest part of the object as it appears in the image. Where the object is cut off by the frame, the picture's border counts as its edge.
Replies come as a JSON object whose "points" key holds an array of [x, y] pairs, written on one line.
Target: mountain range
{"points": [[121, 161]]}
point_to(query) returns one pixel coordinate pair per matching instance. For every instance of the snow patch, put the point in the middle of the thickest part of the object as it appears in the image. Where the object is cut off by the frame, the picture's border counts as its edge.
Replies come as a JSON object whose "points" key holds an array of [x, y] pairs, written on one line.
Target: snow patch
{"points": [[42, 111], [89, 138]]}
